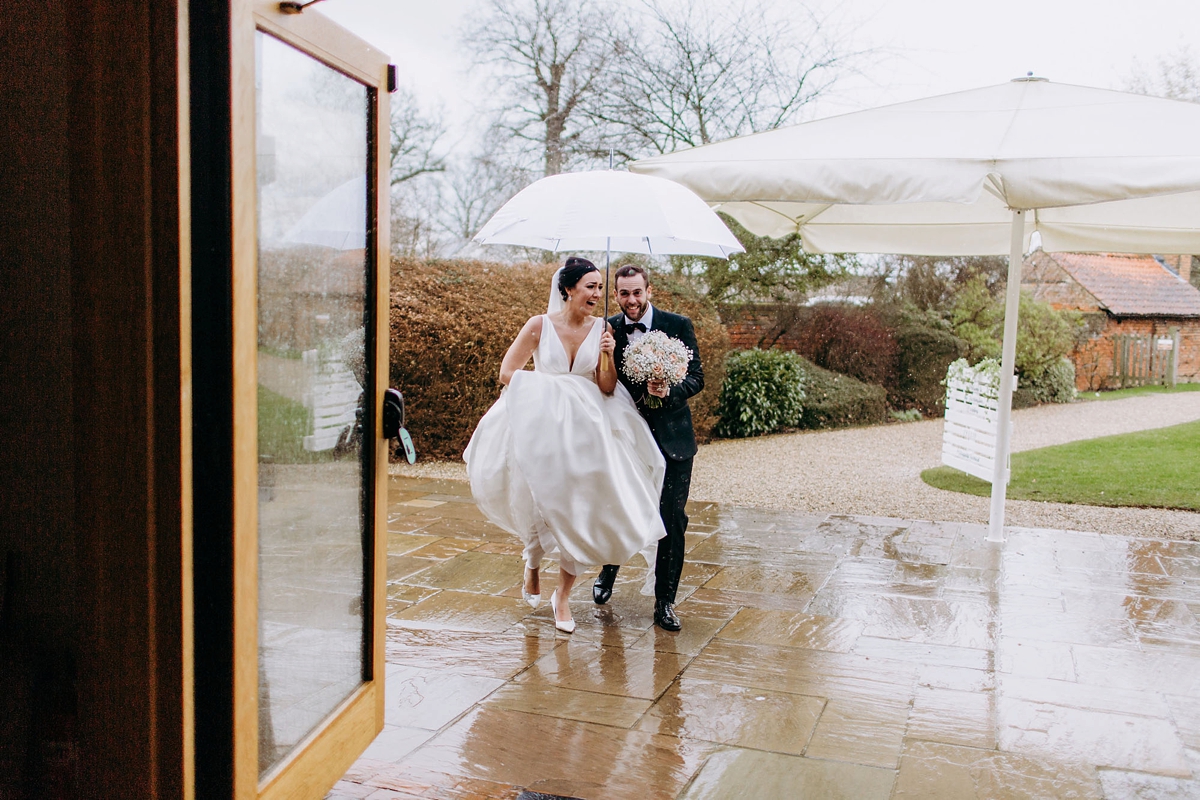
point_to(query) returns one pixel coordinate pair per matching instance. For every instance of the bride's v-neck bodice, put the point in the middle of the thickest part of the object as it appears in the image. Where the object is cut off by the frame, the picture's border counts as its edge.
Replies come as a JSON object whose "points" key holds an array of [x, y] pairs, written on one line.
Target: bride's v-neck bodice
{"points": [[551, 354]]}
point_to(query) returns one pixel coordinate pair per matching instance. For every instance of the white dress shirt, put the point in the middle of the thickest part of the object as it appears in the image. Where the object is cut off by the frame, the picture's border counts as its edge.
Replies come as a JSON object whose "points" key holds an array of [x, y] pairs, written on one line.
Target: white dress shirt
{"points": [[647, 319]]}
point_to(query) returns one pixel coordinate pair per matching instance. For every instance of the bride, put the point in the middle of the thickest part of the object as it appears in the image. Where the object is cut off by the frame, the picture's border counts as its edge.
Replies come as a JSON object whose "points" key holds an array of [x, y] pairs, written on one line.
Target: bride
{"points": [[563, 459]]}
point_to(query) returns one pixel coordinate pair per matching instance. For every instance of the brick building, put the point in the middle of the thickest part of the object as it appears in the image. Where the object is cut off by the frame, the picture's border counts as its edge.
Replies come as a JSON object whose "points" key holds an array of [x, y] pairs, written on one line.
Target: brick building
{"points": [[1119, 294]]}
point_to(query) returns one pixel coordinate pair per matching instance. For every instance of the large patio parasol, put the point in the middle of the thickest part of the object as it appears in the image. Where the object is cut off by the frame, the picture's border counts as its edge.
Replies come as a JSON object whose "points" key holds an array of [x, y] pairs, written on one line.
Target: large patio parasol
{"points": [[970, 173], [610, 211]]}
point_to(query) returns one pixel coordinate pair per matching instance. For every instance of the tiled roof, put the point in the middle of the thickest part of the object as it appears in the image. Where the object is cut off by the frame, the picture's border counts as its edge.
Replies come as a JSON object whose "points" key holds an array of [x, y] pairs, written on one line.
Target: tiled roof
{"points": [[1131, 285]]}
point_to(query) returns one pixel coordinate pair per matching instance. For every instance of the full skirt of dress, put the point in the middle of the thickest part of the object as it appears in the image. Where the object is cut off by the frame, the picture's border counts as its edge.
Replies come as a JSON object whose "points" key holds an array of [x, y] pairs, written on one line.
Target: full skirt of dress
{"points": [[557, 460]]}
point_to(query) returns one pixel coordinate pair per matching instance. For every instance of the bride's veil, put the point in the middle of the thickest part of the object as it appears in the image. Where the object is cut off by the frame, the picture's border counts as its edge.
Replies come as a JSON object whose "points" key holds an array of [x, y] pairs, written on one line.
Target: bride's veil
{"points": [[556, 302]]}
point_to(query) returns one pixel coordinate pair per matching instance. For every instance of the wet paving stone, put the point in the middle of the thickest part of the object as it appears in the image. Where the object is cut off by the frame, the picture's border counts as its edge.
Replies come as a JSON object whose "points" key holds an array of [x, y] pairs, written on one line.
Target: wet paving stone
{"points": [[735, 715], [463, 611], [821, 656], [527, 750], [399, 544], [953, 717], [861, 731], [761, 579], [789, 629], [419, 698], [1106, 739], [482, 573], [931, 769], [694, 637], [727, 776], [469, 652], [639, 673], [555, 701]]}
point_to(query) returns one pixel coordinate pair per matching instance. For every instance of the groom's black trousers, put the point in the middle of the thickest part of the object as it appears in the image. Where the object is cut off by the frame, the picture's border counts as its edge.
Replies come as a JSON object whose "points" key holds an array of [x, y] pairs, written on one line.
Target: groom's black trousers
{"points": [[676, 484]]}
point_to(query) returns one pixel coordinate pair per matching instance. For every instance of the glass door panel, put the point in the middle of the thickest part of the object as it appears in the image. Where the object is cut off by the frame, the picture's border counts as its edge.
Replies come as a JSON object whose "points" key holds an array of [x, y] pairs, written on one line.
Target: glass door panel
{"points": [[313, 164]]}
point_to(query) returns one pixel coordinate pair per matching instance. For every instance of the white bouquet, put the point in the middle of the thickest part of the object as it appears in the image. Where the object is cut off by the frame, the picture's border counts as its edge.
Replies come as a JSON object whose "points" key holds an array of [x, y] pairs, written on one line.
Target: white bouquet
{"points": [[656, 356]]}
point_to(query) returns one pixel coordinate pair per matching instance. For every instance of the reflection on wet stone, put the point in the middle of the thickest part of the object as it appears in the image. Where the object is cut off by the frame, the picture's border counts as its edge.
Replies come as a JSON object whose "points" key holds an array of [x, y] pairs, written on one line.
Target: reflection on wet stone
{"points": [[735, 715], [821, 656]]}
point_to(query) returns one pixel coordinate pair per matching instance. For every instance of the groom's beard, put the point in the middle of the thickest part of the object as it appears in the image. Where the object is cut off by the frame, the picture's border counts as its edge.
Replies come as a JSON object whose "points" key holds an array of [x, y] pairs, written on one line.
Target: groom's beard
{"points": [[633, 308]]}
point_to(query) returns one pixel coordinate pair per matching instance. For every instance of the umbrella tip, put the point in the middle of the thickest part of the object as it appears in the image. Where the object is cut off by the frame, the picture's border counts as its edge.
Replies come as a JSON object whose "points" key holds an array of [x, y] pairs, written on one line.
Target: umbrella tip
{"points": [[1028, 77]]}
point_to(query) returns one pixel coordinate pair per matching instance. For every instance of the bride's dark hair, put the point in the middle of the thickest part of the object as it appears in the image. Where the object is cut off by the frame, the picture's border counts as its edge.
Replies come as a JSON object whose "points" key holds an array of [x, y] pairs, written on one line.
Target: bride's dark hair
{"points": [[571, 273]]}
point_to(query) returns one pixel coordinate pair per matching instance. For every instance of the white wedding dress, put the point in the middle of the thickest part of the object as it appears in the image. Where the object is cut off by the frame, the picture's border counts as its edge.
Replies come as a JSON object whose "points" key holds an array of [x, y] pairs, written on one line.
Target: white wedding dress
{"points": [[573, 472]]}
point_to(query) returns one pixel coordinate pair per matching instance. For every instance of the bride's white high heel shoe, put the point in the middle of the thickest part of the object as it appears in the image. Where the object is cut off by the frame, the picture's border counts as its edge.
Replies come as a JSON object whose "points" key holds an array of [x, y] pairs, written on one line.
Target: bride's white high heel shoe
{"points": [[565, 627], [534, 600]]}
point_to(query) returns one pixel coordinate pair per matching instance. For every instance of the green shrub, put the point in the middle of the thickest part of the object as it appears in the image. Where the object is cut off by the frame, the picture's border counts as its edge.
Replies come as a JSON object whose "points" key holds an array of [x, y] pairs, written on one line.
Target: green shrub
{"points": [[1055, 385], [452, 321], [763, 391], [1044, 338], [833, 400], [925, 354]]}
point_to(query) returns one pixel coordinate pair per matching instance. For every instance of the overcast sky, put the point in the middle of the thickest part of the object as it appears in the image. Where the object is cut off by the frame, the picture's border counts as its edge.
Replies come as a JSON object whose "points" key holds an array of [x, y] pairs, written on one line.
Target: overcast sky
{"points": [[930, 46]]}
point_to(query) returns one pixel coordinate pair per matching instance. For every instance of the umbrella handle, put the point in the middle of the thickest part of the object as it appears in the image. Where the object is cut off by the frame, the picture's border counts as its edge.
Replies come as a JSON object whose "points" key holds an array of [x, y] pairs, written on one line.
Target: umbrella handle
{"points": [[605, 360]]}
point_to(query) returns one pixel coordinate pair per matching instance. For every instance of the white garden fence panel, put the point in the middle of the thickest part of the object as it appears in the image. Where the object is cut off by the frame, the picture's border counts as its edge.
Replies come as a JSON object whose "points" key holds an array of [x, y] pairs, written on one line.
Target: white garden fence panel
{"points": [[972, 413], [332, 400]]}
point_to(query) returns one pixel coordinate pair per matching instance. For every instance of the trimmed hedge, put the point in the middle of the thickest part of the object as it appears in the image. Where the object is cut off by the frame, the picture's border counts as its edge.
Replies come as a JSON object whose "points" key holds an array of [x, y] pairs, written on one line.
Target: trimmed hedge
{"points": [[452, 321], [834, 400], [924, 355], [763, 392]]}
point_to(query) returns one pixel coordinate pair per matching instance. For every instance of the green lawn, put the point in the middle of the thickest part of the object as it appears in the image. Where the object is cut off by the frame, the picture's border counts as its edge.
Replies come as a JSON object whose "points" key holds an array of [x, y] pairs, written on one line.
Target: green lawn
{"points": [[282, 425], [1135, 391], [1149, 469]]}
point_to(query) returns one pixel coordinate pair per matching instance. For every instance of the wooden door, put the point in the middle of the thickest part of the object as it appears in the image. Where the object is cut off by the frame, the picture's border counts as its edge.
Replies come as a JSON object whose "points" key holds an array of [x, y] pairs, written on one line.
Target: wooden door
{"points": [[309, 189]]}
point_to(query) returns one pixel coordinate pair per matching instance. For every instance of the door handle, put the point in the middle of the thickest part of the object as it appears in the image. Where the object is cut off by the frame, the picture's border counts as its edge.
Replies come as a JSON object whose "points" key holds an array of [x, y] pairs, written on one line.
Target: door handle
{"points": [[393, 413], [393, 422]]}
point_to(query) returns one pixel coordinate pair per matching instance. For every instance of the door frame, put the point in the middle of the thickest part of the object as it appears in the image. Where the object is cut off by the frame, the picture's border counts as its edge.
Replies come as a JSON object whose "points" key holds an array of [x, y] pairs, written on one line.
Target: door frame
{"points": [[323, 756]]}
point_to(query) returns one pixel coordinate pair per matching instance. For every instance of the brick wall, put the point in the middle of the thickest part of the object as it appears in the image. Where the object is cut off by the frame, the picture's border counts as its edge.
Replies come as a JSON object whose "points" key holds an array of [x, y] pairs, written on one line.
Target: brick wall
{"points": [[1094, 358], [761, 325]]}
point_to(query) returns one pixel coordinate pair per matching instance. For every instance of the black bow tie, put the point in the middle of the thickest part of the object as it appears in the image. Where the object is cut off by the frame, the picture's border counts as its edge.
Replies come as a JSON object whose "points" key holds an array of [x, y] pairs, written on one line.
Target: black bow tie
{"points": [[630, 327]]}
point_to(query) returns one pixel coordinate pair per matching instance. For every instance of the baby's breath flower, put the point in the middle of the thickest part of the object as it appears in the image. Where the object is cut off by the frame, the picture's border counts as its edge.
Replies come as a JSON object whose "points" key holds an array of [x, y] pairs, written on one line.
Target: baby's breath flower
{"points": [[656, 356]]}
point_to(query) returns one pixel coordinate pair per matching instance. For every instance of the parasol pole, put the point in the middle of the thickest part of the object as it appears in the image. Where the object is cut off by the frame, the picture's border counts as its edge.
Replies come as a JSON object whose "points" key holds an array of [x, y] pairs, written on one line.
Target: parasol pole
{"points": [[1008, 357]]}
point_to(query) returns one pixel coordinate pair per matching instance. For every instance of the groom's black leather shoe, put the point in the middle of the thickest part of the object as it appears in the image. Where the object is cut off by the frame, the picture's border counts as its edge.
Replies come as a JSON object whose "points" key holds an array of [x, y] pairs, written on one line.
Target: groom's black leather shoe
{"points": [[664, 616], [602, 588]]}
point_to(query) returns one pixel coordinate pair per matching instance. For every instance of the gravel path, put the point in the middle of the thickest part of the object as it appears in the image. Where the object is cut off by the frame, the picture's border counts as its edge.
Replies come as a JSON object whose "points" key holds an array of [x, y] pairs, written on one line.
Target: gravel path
{"points": [[876, 471]]}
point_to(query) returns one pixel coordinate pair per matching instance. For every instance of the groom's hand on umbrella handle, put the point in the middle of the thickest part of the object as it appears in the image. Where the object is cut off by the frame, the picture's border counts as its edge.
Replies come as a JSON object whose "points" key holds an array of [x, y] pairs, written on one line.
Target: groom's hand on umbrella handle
{"points": [[607, 343]]}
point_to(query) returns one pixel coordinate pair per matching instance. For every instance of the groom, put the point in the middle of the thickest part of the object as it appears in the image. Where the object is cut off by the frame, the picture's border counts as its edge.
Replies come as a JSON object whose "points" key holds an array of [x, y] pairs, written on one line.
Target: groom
{"points": [[671, 424]]}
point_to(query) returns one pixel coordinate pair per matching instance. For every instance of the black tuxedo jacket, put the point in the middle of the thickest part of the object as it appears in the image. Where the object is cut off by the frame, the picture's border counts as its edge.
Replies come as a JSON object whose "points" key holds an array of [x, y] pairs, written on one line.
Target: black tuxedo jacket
{"points": [[671, 423]]}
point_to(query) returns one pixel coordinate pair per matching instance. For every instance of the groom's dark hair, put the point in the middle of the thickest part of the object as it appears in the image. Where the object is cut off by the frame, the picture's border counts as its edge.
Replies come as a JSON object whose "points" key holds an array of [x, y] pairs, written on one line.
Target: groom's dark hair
{"points": [[633, 269], [574, 269]]}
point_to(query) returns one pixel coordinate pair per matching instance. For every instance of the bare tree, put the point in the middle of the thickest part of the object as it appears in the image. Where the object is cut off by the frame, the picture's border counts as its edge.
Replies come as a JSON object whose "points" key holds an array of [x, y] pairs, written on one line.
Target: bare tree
{"points": [[1174, 75], [474, 190], [689, 74], [415, 138], [548, 57]]}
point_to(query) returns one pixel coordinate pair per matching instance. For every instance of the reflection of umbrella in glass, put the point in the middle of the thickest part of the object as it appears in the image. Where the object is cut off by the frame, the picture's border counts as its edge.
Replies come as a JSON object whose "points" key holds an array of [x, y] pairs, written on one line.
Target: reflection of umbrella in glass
{"points": [[970, 173], [610, 211], [338, 220]]}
